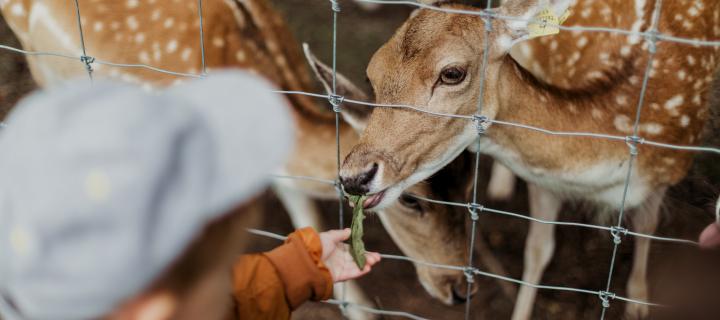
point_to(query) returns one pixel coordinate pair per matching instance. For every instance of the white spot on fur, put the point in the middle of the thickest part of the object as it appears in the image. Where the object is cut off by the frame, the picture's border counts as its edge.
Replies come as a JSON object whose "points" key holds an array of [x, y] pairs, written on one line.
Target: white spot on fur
{"points": [[144, 57], [652, 128], [155, 15], [697, 99], [169, 22], [172, 46], [132, 23], [98, 26], [622, 123], [240, 56], [625, 51], [693, 12], [684, 121], [185, 54], [132, 4], [672, 104], [621, 100], [140, 37], [682, 75], [218, 42], [582, 42], [17, 9]]}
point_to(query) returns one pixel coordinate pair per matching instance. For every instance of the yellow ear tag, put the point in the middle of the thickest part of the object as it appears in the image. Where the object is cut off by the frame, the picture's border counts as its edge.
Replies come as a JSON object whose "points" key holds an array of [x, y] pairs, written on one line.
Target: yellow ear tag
{"points": [[546, 23]]}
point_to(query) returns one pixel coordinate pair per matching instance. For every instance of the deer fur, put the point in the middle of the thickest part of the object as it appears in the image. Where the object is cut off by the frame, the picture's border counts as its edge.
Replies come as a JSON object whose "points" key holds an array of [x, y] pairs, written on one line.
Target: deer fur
{"points": [[250, 35], [595, 90]]}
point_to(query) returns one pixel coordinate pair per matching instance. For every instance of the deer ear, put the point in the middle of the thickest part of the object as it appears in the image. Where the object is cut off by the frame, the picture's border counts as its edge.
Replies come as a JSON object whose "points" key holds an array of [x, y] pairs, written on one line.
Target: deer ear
{"points": [[526, 10], [354, 115]]}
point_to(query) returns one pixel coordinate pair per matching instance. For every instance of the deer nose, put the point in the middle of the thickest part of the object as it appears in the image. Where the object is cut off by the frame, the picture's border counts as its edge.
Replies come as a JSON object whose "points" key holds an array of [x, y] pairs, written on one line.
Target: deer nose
{"points": [[359, 184], [460, 292]]}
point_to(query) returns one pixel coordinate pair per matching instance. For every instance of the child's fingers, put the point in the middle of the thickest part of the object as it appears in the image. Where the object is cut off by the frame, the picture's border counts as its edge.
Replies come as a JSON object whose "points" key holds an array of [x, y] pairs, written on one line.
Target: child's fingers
{"points": [[372, 258], [338, 235]]}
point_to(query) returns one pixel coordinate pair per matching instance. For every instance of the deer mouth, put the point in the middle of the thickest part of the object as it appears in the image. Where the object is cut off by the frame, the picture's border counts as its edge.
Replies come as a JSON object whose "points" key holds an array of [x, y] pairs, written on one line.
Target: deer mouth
{"points": [[374, 200]]}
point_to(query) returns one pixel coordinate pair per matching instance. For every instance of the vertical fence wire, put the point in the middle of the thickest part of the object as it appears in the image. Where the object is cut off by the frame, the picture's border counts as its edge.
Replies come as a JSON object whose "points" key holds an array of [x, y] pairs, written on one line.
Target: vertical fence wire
{"points": [[336, 102], [202, 38], [85, 59], [479, 123], [651, 38], [632, 142]]}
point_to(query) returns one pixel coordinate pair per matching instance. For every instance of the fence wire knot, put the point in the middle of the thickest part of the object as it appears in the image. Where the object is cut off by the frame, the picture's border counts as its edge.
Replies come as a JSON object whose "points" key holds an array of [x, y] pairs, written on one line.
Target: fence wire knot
{"points": [[652, 37], [336, 101], [343, 307], [88, 61], [335, 5], [606, 296], [338, 187], [632, 143], [469, 274], [489, 15], [474, 208], [481, 123], [616, 232]]}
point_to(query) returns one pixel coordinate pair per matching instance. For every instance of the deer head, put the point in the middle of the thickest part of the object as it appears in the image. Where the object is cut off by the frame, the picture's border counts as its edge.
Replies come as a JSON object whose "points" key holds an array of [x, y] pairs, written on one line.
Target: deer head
{"points": [[434, 62], [433, 232]]}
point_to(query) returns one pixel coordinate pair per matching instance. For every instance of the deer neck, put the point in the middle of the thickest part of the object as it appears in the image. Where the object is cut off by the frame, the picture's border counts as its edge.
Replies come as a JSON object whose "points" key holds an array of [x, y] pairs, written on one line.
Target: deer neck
{"points": [[524, 99], [289, 72]]}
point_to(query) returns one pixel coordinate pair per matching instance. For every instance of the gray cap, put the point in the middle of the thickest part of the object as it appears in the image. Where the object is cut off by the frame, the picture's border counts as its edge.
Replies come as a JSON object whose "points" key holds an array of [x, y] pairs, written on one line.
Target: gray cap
{"points": [[102, 187]]}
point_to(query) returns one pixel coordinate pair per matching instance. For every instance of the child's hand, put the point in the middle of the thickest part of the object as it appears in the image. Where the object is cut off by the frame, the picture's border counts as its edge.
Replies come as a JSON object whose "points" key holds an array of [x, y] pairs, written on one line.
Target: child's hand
{"points": [[337, 258]]}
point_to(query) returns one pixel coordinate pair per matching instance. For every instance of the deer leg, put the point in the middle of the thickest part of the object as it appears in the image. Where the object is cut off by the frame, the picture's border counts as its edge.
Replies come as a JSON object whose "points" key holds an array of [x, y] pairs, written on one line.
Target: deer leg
{"points": [[303, 210], [353, 293], [502, 183], [539, 247], [644, 221]]}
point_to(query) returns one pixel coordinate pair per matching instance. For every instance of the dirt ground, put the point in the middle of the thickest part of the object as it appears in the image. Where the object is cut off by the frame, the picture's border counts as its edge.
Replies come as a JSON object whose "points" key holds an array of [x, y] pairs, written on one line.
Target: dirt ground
{"points": [[679, 274]]}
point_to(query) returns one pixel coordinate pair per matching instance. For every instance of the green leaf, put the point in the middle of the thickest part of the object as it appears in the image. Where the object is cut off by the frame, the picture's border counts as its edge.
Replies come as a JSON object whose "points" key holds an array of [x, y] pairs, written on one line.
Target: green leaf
{"points": [[357, 246]]}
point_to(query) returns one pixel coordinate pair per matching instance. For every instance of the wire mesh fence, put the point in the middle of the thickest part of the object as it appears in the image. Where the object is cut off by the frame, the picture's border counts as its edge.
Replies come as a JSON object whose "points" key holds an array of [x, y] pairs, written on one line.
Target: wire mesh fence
{"points": [[617, 231]]}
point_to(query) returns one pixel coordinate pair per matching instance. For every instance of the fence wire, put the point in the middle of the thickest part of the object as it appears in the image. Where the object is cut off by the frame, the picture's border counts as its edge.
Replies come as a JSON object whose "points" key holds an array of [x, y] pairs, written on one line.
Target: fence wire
{"points": [[652, 37]]}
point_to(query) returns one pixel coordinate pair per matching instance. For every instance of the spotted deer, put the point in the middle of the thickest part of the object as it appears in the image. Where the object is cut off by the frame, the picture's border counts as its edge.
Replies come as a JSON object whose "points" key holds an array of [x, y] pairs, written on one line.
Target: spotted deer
{"points": [[250, 35], [434, 62], [239, 34]]}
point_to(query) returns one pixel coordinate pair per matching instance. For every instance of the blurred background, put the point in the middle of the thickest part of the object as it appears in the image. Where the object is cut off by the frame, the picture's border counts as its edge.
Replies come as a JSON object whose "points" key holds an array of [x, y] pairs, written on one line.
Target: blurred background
{"points": [[678, 273]]}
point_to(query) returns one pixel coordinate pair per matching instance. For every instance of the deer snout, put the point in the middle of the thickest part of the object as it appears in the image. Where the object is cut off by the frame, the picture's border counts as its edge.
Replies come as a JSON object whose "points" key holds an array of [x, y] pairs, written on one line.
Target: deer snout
{"points": [[449, 287], [358, 183], [460, 291]]}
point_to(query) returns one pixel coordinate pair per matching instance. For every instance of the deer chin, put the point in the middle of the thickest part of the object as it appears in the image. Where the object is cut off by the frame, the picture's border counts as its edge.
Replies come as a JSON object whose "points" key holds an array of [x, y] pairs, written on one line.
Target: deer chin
{"points": [[391, 193]]}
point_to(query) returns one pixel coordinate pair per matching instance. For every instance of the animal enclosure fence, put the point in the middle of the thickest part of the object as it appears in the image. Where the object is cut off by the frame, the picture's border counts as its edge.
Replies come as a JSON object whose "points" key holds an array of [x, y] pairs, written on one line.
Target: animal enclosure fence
{"points": [[616, 231]]}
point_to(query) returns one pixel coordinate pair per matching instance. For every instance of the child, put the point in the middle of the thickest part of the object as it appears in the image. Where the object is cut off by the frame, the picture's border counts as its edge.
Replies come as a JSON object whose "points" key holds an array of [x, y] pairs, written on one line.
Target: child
{"points": [[118, 204]]}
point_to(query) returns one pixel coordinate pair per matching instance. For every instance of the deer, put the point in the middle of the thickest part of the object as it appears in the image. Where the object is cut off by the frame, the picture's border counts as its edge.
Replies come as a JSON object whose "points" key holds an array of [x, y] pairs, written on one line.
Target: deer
{"points": [[434, 62], [250, 35]]}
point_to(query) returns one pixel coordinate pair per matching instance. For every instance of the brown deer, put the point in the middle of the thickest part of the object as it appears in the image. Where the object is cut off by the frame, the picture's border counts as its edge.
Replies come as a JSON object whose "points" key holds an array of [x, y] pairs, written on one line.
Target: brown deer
{"points": [[244, 34], [247, 34], [434, 62]]}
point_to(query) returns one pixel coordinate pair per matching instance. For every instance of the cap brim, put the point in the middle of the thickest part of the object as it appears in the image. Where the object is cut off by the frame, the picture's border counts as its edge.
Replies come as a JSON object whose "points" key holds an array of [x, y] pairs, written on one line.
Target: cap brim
{"points": [[252, 127]]}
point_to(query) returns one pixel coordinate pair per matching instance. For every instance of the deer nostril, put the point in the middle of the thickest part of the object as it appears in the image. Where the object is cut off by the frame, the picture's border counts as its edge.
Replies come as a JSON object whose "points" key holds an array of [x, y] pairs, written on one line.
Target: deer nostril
{"points": [[360, 184], [368, 176], [460, 293]]}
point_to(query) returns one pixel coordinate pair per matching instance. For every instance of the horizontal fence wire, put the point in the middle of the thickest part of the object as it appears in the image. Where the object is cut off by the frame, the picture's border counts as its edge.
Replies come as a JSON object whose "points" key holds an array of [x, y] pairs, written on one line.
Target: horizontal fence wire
{"points": [[652, 36], [625, 139], [481, 208], [476, 271]]}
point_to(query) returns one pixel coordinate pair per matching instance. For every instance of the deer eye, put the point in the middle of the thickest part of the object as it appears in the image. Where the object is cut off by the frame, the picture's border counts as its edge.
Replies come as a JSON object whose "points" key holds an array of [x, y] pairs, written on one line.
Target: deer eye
{"points": [[452, 75], [410, 202]]}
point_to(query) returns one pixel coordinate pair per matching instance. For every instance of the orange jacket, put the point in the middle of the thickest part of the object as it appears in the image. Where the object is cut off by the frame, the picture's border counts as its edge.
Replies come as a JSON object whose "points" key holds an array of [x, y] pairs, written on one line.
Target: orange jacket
{"points": [[270, 285]]}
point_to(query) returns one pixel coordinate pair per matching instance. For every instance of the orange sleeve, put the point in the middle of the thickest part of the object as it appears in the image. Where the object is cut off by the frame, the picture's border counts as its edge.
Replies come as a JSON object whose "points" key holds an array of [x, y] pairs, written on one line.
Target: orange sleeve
{"points": [[272, 284]]}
